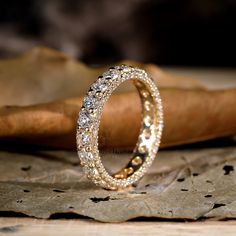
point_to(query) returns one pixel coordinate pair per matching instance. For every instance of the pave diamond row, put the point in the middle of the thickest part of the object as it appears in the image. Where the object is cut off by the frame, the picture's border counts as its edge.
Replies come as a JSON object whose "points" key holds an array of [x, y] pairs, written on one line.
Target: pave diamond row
{"points": [[89, 120]]}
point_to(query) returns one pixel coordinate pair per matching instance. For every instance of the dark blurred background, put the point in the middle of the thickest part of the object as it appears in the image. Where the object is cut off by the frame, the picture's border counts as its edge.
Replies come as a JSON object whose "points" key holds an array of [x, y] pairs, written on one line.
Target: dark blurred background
{"points": [[179, 33]]}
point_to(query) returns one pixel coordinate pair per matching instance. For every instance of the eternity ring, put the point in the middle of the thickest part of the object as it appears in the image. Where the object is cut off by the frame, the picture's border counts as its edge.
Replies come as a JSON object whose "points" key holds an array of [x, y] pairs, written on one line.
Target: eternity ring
{"points": [[88, 126]]}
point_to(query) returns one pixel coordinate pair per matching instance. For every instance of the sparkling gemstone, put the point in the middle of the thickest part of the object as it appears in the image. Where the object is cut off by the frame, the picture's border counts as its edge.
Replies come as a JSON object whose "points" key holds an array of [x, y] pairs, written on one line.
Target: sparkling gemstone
{"points": [[126, 68], [110, 75], [123, 68], [100, 86], [89, 156], [85, 156], [147, 121], [84, 120], [147, 133], [85, 138], [89, 102], [118, 67]]}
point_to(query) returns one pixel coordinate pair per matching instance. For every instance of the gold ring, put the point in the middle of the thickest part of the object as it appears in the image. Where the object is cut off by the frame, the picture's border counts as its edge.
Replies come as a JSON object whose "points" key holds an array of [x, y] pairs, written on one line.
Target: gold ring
{"points": [[88, 122]]}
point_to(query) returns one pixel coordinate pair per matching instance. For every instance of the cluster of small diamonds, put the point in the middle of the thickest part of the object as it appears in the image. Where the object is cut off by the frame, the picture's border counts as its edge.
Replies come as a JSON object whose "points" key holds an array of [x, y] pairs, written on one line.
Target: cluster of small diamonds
{"points": [[89, 119]]}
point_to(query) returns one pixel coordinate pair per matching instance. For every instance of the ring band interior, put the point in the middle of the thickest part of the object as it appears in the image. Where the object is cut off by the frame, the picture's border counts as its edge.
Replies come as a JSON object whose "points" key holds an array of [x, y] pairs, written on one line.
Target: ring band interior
{"points": [[146, 136]]}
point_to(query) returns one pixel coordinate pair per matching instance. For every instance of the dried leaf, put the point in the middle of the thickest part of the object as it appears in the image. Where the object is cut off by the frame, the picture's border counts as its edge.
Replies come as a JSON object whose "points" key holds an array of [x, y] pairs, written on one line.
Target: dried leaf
{"points": [[44, 75], [181, 184], [190, 116]]}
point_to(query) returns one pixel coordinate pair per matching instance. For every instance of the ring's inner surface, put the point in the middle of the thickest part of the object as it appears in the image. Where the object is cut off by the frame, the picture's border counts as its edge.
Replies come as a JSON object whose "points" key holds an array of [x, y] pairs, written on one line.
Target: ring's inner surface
{"points": [[146, 136]]}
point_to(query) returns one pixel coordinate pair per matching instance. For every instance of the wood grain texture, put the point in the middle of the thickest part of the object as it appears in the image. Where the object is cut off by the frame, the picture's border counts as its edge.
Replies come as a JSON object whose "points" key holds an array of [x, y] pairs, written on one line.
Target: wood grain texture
{"points": [[28, 227]]}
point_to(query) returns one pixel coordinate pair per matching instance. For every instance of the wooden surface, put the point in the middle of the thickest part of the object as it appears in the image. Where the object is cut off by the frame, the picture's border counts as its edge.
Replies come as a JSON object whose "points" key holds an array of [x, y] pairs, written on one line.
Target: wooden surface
{"points": [[212, 78], [28, 226]]}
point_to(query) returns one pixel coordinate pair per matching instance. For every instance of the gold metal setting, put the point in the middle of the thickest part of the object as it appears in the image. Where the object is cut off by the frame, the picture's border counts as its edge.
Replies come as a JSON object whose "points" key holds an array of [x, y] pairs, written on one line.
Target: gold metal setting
{"points": [[89, 120]]}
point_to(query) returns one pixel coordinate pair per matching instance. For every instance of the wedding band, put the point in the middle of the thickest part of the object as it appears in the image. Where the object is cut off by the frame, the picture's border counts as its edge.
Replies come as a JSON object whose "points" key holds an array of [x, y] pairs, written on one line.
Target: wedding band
{"points": [[88, 127]]}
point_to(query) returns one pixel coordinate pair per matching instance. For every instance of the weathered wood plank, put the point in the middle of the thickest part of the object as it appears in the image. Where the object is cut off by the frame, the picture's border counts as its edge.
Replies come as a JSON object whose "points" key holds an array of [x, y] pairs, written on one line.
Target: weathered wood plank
{"points": [[28, 227]]}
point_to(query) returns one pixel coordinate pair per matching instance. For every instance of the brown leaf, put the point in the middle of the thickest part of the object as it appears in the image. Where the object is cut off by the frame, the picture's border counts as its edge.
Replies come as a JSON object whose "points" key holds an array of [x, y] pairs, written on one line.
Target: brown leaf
{"points": [[44, 75], [187, 184], [191, 113], [190, 116]]}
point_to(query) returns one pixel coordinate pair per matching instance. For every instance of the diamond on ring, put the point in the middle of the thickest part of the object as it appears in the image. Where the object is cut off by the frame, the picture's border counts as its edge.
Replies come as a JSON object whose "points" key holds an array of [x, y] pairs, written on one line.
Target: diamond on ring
{"points": [[89, 119]]}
